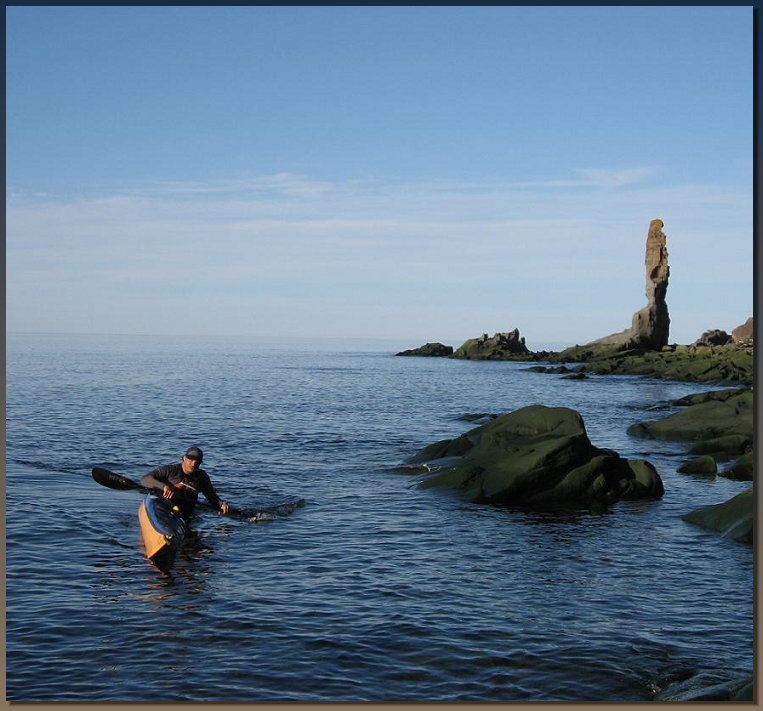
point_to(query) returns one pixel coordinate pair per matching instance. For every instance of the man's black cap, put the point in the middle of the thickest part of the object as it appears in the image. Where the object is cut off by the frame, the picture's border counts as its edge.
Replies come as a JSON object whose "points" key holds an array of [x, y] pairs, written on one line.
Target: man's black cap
{"points": [[194, 453]]}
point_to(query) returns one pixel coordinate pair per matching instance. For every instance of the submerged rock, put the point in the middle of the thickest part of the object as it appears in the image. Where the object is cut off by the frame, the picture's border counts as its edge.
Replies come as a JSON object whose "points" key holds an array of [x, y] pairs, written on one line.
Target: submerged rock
{"points": [[743, 469], [709, 686], [719, 426], [734, 518], [726, 421], [719, 395], [704, 465], [536, 456], [577, 371]]}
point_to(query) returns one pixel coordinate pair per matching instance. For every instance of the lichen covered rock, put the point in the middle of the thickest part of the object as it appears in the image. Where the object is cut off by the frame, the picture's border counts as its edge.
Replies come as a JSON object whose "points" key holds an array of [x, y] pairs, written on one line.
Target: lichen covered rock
{"points": [[704, 465], [719, 427], [536, 456], [699, 364], [708, 420]]}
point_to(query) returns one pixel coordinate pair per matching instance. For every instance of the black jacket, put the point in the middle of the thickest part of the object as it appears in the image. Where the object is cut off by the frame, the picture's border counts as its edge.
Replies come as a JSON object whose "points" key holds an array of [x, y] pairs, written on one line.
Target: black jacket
{"points": [[190, 485]]}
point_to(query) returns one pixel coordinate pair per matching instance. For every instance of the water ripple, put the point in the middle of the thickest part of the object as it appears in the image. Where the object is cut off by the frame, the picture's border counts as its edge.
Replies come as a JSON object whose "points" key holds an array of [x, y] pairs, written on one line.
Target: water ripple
{"points": [[374, 591]]}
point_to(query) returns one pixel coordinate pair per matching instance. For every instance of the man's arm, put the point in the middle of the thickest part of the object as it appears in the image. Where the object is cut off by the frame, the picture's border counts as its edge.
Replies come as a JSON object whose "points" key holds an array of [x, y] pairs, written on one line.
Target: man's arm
{"points": [[157, 479], [211, 495]]}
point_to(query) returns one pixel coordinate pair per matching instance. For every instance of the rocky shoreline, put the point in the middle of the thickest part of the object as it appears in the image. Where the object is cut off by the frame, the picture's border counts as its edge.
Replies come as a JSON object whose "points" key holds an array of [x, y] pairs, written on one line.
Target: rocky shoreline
{"points": [[717, 426], [728, 364], [541, 456]]}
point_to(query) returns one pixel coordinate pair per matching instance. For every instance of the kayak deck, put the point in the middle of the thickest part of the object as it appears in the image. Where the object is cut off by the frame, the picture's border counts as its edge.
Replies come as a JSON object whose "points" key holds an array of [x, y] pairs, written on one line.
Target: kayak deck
{"points": [[163, 530]]}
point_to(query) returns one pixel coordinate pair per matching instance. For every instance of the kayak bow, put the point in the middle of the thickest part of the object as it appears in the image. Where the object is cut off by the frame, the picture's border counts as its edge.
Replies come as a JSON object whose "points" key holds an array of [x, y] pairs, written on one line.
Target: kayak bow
{"points": [[163, 530]]}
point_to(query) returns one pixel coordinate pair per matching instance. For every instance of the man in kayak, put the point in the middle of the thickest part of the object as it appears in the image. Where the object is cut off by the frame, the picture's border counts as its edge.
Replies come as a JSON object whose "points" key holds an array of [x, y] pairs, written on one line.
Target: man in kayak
{"points": [[181, 483]]}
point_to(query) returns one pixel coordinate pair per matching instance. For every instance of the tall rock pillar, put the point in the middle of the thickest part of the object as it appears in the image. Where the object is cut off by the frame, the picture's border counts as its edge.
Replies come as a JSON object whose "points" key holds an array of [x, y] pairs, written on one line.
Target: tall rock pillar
{"points": [[651, 325]]}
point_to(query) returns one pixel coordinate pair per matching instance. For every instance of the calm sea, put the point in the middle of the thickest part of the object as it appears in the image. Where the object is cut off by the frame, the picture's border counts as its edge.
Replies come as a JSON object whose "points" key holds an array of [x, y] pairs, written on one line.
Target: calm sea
{"points": [[374, 590]]}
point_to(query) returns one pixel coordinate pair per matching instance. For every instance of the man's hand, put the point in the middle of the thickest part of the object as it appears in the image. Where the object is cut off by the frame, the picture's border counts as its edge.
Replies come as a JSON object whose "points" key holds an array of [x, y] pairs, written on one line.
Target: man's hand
{"points": [[168, 491], [224, 508]]}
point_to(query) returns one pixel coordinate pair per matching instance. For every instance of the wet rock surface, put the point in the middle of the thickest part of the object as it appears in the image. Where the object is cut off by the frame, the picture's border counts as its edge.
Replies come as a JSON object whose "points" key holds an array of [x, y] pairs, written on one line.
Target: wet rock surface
{"points": [[733, 519], [702, 364], [536, 456]]}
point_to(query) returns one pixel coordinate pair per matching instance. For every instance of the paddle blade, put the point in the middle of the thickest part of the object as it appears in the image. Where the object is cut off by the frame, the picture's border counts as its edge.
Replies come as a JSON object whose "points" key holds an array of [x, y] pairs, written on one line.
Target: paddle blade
{"points": [[267, 514], [114, 481]]}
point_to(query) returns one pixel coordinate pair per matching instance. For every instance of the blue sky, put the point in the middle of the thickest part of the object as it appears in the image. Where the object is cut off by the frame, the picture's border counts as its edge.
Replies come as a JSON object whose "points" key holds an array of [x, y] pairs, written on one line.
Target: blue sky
{"points": [[422, 174]]}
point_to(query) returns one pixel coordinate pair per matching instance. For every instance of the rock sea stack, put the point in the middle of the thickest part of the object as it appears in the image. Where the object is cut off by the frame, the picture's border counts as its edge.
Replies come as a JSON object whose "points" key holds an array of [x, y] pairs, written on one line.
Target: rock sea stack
{"points": [[651, 325]]}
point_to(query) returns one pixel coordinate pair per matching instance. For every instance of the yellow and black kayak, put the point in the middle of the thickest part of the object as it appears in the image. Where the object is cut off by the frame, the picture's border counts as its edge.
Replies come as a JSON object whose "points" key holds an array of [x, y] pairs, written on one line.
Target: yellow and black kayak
{"points": [[162, 525], [163, 529]]}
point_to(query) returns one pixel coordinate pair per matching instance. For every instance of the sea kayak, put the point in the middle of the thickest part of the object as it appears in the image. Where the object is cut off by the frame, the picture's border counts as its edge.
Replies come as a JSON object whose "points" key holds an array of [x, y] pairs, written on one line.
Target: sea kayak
{"points": [[163, 530]]}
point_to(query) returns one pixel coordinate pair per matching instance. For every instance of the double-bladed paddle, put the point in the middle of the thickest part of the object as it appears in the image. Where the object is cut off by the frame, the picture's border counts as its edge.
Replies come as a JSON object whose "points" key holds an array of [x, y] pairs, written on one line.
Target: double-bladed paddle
{"points": [[117, 481], [113, 480]]}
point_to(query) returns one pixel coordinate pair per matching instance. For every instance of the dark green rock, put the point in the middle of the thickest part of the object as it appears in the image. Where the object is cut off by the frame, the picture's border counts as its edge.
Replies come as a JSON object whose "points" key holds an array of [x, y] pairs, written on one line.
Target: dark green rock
{"points": [[724, 445], [430, 350], [700, 465], [708, 686], [698, 398], [445, 448], [733, 519], [538, 456], [720, 427], [710, 364], [576, 373], [742, 470], [557, 370], [708, 420]]}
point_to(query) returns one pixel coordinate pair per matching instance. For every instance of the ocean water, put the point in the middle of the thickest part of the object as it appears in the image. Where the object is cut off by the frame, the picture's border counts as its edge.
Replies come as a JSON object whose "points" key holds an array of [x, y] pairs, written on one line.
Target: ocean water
{"points": [[374, 590]]}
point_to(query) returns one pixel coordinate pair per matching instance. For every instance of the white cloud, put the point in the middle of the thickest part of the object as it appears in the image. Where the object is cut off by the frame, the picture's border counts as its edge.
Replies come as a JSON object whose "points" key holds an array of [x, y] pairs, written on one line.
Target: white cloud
{"points": [[598, 177], [285, 252]]}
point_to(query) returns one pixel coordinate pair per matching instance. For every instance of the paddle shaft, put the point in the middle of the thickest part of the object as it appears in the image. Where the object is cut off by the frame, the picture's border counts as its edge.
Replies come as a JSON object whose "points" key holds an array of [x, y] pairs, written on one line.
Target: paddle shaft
{"points": [[122, 483], [113, 480]]}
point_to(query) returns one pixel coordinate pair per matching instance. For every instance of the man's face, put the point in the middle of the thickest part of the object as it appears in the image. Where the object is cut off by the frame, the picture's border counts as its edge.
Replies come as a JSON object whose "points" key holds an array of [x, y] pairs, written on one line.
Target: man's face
{"points": [[190, 464]]}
